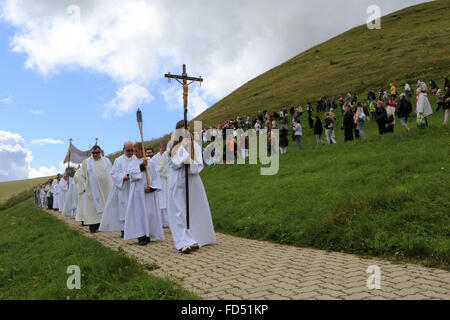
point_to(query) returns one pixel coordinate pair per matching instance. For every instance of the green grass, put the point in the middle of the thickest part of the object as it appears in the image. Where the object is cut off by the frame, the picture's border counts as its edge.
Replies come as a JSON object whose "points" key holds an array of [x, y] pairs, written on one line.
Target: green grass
{"points": [[411, 44], [36, 250], [384, 196], [11, 188]]}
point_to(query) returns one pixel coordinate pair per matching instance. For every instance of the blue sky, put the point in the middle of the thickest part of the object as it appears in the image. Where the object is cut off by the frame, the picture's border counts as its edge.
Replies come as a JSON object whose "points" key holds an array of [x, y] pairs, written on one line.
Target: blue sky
{"points": [[78, 69]]}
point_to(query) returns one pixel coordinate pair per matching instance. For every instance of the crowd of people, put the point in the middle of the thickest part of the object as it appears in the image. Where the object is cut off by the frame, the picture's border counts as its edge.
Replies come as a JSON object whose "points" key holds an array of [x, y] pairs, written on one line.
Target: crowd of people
{"points": [[137, 195], [386, 110]]}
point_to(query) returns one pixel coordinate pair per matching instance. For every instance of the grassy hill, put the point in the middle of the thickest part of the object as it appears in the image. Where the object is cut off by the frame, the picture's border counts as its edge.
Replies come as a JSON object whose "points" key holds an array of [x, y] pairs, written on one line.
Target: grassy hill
{"points": [[11, 188], [411, 44]]}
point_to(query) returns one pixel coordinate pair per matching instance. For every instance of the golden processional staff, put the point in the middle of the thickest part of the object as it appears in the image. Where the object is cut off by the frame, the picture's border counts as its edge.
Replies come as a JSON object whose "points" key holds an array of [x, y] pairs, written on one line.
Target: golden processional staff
{"points": [[140, 125], [185, 85]]}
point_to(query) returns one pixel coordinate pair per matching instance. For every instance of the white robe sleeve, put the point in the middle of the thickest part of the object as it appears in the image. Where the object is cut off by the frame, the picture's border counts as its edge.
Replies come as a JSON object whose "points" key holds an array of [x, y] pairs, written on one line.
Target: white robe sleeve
{"points": [[116, 174]]}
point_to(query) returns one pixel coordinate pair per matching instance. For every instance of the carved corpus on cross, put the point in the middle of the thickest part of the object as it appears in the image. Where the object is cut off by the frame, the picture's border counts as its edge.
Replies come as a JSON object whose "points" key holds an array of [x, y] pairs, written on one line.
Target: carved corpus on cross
{"points": [[184, 82]]}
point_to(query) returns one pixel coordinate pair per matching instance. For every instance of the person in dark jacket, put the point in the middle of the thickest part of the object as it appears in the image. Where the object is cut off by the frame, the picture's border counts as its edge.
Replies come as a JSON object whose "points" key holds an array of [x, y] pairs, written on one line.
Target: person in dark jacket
{"points": [[381, 117], [348, 125], [404, 107], [284, 141], [311, 121], [318, 130], [371, 96]]}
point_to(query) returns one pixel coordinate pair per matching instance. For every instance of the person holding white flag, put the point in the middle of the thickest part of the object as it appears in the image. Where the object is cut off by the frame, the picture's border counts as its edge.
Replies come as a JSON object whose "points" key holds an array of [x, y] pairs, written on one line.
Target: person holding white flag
{"points": [[95, 181]]}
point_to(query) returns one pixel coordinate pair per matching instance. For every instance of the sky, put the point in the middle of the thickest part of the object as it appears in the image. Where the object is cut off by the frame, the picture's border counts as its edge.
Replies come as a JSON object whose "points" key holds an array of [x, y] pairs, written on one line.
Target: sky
{"points": [[79, 69]]}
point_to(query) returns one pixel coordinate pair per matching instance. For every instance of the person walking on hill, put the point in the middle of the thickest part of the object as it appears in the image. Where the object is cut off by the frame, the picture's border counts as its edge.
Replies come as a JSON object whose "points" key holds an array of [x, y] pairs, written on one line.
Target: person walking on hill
{"points": [[381, 117], [439, 99], [408, 91], [329, 129], [284, 141], [372, 109], [318, 131], [423, 106], [403, 109], [298, 134], [393, 90], [360, 119], [348, 125], [390, 112], [446, 105]]}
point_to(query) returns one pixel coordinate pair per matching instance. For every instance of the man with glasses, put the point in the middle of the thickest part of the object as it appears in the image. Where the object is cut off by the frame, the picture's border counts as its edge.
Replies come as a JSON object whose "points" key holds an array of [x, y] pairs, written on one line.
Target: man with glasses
{"points": [[95, 180], [113, 218], [149, 152]]}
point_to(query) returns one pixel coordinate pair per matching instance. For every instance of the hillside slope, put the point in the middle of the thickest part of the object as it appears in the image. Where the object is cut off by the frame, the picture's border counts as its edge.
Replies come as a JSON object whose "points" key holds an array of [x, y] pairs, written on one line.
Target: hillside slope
{"points": [[412, 44]]}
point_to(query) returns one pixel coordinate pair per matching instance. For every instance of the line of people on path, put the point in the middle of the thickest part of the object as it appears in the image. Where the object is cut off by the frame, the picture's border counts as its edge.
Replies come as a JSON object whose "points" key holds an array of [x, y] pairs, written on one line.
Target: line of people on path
{"points": [[119, 197]]}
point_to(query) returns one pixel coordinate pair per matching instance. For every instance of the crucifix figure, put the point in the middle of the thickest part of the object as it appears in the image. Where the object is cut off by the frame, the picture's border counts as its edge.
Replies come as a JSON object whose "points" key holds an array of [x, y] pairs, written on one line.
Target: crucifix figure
{"points": [[184, 77]]}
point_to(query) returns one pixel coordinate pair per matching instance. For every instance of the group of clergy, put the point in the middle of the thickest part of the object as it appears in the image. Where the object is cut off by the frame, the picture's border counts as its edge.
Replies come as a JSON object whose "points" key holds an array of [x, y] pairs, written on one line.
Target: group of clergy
{"points": [[140, 195]]}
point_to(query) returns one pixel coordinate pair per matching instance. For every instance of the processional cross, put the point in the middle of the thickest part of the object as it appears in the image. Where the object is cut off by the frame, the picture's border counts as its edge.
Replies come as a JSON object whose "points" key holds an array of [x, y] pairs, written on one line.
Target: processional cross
{"points": [[184, 77]]}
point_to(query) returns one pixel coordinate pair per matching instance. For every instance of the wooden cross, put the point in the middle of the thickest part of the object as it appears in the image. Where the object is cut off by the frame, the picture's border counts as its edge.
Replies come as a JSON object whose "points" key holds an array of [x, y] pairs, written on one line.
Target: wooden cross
{"points": [[184, 77]]}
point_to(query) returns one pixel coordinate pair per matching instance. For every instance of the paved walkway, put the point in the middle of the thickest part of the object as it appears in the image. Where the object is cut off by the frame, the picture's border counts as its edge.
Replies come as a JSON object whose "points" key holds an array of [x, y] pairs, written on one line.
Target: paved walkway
{"points": [[237, 268]]}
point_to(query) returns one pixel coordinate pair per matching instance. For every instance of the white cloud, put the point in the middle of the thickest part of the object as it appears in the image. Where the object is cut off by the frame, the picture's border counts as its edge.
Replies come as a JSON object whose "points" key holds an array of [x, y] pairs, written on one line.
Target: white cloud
{"points": [[15, 159], [41, 142], [8, 100], [127, 98], [36, 112], [137, 41]]}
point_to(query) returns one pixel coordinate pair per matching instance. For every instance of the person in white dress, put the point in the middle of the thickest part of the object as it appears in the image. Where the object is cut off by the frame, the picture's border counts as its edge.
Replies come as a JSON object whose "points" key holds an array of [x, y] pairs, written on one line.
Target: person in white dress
{"points": [[113, 218], [143, 217], [201, 229]]}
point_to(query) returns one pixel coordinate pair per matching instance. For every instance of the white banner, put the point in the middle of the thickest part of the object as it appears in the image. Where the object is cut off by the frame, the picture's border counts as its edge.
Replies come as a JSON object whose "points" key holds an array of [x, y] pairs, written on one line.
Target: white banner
{"points": [[76, 155]]}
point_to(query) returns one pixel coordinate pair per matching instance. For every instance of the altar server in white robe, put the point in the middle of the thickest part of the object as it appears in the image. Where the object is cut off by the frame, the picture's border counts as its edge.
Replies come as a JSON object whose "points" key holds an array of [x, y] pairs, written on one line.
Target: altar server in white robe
{"points": [[71, 200], [56, 191], [63, 189], [160, 160], [79, 212], [143, 218], [95, 178], [42, 195], [113, 218], [201, 229]]}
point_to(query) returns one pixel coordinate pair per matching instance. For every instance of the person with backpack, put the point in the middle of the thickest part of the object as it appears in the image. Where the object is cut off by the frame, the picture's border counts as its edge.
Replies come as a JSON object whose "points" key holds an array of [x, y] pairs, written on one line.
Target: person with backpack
{"points": [[403, 109]]}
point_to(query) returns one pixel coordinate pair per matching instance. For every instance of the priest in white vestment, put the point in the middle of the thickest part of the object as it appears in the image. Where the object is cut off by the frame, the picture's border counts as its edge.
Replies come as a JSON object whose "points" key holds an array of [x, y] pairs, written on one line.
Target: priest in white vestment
{"points": [[56, 191], [71, 200], [63, 189], [201, 229], [79, 212], [95, 181], [113, 218], [143, 217]]}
